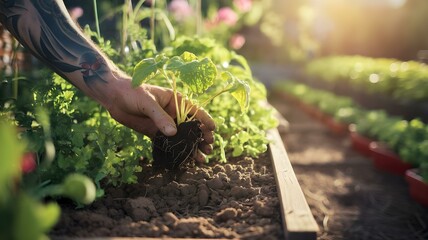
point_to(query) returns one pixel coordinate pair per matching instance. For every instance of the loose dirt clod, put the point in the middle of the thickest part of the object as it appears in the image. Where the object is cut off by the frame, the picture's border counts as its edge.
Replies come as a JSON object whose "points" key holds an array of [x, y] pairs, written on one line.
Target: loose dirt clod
{"points": [[140, 209], [226, 214]]}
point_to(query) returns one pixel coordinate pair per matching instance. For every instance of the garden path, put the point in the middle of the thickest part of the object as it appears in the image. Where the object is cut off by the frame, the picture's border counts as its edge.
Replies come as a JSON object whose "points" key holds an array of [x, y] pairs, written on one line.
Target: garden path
{"points": [[349, 198]]}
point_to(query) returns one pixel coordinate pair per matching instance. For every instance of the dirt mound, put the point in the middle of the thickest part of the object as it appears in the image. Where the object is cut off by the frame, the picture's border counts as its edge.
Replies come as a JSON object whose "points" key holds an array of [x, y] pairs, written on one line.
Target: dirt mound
{"points": [[233, 200]]}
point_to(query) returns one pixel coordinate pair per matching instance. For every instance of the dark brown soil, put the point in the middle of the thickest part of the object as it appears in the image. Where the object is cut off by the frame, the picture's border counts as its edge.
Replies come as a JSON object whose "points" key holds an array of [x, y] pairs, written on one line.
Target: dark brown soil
{"points": [[349, 198], [233, 200], [176, 152]]}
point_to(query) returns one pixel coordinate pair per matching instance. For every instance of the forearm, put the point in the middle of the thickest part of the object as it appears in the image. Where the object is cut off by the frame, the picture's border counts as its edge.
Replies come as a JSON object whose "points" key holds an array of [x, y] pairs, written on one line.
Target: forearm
{"points": [[45, 28]]}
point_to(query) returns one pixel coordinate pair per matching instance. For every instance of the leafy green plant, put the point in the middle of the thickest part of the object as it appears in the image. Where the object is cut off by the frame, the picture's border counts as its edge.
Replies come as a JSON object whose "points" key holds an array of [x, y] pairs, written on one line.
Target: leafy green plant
{"points": [[21, 207], [341, 108], [402, 80], [349, 114], [411, 142]]}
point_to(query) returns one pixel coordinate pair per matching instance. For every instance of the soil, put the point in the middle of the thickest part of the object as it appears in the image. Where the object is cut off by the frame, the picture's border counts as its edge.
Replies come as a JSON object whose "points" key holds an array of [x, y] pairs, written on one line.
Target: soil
{"points": [[348, 197], [233, 200], [176, 152]]}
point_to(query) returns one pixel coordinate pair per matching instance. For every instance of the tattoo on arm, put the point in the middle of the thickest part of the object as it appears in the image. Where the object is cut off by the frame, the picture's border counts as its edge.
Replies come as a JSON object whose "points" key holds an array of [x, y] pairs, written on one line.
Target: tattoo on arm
{"points": [[42, 26]]}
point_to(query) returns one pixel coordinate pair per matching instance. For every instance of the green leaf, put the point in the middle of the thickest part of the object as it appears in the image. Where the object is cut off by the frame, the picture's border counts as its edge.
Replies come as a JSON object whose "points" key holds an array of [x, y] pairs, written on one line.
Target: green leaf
{"points": [[11, 150], [33, 219], [48, 215], [222, 144], [80, 188], [237, 151], [239, 89], [147, 69], [242, 94], [197, 75]]}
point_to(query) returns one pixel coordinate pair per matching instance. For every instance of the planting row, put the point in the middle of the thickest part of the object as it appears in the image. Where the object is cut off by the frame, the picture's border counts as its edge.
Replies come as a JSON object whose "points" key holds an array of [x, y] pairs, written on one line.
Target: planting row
{"points": [[400, 80], [395, 144]]}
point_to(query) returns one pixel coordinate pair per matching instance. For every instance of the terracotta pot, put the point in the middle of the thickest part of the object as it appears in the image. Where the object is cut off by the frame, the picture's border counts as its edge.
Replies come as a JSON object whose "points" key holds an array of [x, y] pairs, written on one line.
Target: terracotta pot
{"points": [[360, 143], [387, 160], [418, 188]]}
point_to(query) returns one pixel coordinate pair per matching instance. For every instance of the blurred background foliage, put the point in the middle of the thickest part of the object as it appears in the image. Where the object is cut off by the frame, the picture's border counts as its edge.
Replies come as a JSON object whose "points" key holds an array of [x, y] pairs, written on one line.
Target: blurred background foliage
{"points": [[301, 30]]}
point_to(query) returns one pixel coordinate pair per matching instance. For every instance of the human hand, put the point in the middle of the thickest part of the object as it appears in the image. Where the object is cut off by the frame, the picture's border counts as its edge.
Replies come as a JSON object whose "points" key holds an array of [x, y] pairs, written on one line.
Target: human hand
{"points": [[150, 108]]}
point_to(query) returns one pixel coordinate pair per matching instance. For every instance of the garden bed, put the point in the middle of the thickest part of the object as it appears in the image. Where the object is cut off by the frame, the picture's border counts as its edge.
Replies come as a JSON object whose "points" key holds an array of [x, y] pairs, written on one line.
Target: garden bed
{"points": [[348, 196], [239, 199]]}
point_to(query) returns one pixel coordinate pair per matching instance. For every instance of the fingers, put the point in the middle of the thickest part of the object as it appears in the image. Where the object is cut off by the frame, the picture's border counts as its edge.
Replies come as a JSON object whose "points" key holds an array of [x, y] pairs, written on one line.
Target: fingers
{"points": [[200, 157], [164, 97], [162, 120], [206, 148], [205, 119], [208, 133]]}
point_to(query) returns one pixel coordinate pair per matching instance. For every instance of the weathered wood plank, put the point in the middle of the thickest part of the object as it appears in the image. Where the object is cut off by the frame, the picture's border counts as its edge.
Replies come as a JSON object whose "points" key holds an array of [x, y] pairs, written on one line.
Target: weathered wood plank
{"points": [[299, 223]]}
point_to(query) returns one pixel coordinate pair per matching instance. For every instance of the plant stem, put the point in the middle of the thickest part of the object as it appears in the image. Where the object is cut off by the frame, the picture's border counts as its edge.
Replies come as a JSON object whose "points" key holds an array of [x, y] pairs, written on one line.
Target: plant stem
{"points": [[97, 24], [177, 107], [173, 83], [152, 23], [204, 103]]}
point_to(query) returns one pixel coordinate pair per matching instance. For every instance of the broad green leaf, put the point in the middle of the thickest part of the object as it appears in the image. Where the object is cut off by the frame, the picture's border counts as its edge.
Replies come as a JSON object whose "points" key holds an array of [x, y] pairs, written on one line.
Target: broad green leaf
{"points": [[239, 89], [198, 46], [242, 94], [147, 69], [197, 75], [188, 57]]}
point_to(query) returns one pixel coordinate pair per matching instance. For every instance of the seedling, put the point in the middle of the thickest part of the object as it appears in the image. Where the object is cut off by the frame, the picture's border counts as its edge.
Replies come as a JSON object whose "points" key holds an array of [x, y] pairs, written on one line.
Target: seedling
{"points": [[199, 82]]}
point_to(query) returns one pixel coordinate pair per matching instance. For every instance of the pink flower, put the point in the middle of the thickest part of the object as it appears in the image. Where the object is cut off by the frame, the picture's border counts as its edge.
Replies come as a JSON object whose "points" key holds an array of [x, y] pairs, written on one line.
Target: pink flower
{"points": [[243, 5], [227, 16], [180, 9], [76, 13], [237, 41], [28, 162]]}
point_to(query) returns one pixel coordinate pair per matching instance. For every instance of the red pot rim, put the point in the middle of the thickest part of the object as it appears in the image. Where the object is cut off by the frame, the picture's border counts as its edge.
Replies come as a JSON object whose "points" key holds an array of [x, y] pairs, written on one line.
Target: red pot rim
{"points": [[412, 173]]}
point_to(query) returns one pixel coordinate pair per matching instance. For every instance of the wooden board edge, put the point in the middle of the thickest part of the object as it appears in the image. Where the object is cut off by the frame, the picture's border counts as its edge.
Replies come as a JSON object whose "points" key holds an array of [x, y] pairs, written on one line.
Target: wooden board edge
{"points": [[298, 221]]}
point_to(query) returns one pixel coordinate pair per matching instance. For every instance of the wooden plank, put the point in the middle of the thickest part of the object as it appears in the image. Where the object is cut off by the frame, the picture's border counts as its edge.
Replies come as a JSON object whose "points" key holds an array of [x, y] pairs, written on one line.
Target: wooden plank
{"points": [[299, 223]]}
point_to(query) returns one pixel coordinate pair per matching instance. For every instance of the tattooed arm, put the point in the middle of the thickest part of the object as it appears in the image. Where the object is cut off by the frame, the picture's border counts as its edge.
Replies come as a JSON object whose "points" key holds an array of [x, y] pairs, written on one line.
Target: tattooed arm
{"points": [[45, 28]]}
